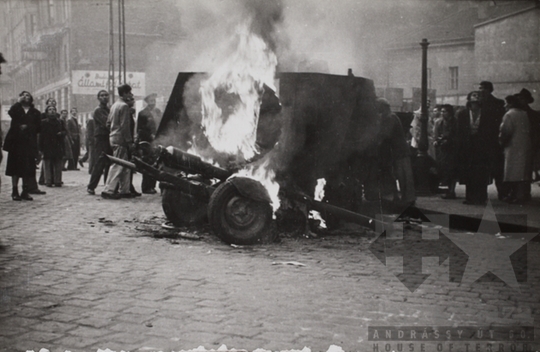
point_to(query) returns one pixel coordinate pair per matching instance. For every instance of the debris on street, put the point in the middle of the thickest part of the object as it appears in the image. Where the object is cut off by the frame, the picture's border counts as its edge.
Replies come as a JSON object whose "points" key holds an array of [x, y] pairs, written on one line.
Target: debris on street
{"points": [[289, 263]]}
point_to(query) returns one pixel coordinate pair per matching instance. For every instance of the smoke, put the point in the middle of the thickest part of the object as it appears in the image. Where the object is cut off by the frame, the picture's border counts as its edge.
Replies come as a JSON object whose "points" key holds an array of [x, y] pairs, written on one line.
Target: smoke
{"points": [[306, 35], [266, 16]]}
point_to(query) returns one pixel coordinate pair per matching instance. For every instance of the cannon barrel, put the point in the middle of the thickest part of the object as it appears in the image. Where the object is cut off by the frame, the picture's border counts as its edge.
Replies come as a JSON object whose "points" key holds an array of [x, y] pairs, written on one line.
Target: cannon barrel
{"points": [[338, 212], [192, 164], [194, 188]]}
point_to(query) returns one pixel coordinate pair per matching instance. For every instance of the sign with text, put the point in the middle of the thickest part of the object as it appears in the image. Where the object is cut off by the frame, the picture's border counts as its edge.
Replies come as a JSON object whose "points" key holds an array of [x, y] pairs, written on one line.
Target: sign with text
{"points": [[90, 82]]}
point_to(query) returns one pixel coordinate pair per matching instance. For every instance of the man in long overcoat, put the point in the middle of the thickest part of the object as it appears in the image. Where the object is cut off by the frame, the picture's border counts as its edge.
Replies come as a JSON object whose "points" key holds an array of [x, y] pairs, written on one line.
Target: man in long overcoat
{"points": [[492, 111], [22, 145]]}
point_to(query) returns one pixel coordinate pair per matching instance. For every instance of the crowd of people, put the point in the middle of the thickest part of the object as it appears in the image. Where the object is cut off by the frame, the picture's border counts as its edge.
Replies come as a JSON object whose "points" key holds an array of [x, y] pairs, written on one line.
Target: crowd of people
{"points": [[489, 140], [53, 140]]}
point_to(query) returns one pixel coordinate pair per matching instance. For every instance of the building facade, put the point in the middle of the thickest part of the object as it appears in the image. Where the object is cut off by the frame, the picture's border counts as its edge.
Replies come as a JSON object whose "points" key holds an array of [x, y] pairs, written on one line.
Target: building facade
{"points": [[507, 52], [491, 41], [61, 49]]}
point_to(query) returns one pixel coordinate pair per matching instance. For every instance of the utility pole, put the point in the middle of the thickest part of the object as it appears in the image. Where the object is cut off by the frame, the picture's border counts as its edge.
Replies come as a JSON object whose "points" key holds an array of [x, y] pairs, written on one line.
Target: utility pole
{"points": [[121, 43], [121, 78], [110, 82], [423, 163], [423, 144]]}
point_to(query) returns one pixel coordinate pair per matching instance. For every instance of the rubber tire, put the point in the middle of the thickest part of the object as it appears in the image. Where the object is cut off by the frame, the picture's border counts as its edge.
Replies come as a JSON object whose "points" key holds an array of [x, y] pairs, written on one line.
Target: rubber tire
{"points": [[258, 227], [183, 209]]}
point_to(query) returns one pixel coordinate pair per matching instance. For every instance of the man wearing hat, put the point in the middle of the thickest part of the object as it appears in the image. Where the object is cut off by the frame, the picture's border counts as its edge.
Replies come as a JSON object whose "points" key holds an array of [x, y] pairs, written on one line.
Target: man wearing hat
{"points": [[146, 131], [492, 109]]}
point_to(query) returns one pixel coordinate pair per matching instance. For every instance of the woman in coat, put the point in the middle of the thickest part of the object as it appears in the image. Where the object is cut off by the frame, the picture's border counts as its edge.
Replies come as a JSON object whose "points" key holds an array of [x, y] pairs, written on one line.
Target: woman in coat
{"points": [[21, 144], [51, 145], [515, 138]]}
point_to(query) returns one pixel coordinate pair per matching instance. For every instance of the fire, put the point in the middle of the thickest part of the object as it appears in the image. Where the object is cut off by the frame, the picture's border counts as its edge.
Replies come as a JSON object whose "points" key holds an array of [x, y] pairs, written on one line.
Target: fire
{"points": [[231, 99], [319, 195], [266, 176]]}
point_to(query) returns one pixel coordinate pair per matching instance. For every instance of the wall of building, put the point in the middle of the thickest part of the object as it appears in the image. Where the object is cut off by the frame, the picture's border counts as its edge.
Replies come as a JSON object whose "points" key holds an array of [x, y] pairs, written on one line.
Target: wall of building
{"points": [[440, 59], [507, 53], [76, 33], [405, 70]]}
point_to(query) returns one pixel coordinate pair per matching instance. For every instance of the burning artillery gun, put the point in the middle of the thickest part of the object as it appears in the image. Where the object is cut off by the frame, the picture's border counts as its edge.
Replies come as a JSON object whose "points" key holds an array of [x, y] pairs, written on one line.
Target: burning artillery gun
{"points": [[193, 190], [318, 128]]}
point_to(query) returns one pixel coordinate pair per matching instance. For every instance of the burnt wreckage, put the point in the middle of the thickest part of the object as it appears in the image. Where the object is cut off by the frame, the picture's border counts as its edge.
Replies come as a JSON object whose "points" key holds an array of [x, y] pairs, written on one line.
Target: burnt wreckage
{"points": [[321, 126]]}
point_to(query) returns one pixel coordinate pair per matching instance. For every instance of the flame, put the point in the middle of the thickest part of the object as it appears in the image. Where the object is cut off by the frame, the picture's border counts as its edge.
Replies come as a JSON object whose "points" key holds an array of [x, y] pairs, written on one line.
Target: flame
{"points": [[319, 189], [231, 97], [319, 195], [266, 176], [230, 104]]}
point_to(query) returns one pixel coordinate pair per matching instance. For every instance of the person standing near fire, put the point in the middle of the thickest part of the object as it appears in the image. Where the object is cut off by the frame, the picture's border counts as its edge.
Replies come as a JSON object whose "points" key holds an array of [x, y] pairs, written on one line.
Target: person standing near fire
{"points": [[146, 132], [393, 161], [122, 144]]}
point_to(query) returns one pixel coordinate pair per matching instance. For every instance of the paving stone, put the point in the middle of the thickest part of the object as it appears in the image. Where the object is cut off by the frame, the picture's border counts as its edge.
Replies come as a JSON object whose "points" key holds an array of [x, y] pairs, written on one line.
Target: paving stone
{"points": [[128, 290], [42, 337]]}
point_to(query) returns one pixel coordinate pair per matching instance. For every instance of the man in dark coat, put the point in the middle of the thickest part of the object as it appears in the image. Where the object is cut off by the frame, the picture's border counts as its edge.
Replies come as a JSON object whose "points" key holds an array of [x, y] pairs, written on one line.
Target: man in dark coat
{"points": [[51, 144], [102, 145], [477, 148], [75, 134], [2, 60], [492, 111], [22, 145], [146, 131]]}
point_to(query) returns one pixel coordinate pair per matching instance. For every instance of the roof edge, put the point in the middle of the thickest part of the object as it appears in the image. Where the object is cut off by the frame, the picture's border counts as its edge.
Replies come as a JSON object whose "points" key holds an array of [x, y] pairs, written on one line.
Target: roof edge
{"points": [[500, 18]]}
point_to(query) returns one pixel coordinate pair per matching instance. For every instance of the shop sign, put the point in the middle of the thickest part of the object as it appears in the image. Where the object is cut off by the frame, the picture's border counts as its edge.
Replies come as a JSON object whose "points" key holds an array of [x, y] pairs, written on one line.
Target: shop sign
{"points": [[90, 82]]}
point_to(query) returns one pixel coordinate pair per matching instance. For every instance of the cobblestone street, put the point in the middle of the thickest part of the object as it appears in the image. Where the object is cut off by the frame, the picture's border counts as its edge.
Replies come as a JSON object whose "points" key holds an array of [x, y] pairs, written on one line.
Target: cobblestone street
{"points": [[81, 273]]}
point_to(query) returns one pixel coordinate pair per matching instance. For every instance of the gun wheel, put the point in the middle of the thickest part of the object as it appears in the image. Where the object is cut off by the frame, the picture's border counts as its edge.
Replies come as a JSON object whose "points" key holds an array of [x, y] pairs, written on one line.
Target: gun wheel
{"points": [[240, 220], [183, 209]]}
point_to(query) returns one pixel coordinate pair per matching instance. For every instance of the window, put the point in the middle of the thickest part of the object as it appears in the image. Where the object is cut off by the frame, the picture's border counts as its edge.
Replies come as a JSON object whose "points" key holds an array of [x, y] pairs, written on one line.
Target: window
{"points": [[454, 77]]}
